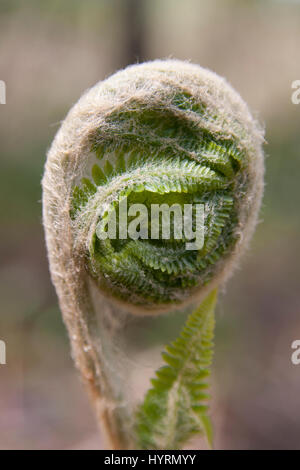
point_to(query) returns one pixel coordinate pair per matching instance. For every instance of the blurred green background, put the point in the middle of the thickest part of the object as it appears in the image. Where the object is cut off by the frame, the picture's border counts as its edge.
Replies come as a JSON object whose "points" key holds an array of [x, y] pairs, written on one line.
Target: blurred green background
{"points": [[50, 52]]}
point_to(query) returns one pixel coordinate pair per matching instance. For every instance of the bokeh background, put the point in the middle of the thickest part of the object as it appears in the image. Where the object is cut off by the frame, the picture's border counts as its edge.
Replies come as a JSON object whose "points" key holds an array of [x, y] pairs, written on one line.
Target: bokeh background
{"points": [[50, 52]]}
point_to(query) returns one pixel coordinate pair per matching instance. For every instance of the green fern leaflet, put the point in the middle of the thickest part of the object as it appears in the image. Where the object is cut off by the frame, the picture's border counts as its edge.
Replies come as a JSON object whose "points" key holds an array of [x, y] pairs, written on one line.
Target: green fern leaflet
{"points": [[175, 408]]}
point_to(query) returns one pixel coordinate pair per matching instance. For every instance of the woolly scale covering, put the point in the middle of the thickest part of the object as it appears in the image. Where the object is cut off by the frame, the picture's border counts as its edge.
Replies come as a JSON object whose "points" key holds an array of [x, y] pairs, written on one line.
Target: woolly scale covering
{"points": [[163, 131]]}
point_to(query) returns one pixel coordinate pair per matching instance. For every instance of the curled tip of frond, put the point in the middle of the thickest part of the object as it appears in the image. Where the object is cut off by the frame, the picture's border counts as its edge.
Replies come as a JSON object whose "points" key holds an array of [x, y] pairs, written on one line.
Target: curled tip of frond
{"points": [[164, 131]]}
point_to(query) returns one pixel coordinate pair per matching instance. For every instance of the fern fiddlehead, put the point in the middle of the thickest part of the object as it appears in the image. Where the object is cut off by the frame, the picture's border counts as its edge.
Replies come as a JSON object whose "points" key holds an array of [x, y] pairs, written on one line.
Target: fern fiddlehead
{"points": [[164, 132]]}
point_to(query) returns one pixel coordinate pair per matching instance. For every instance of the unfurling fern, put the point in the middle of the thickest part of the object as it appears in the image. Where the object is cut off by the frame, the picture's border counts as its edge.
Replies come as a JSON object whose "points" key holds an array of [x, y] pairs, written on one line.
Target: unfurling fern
{"points": [[164, 132]]}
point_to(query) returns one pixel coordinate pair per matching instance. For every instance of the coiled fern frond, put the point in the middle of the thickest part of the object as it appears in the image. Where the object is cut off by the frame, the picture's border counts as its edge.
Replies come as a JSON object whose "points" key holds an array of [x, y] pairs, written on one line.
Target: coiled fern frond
{"points": [[164, 132]]}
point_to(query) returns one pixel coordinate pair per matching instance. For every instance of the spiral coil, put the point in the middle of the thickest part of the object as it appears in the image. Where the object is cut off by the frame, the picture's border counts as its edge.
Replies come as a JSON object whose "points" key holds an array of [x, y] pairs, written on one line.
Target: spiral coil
{"points": [[166, 144]]}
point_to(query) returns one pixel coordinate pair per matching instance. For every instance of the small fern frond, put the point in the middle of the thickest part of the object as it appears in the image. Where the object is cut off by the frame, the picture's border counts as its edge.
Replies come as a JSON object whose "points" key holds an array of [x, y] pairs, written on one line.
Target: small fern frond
{"points": [[175, 408]]}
